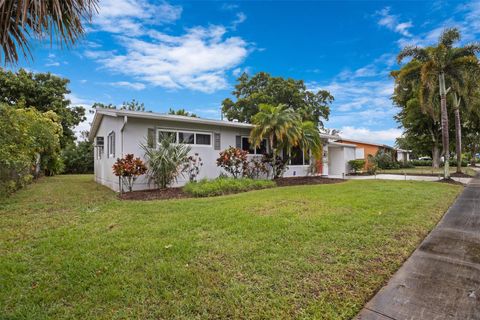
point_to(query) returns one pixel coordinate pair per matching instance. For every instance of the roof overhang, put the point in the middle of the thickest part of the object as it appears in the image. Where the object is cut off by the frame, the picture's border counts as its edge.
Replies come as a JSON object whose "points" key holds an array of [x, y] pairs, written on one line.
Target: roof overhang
{"points": [[101, 112]]}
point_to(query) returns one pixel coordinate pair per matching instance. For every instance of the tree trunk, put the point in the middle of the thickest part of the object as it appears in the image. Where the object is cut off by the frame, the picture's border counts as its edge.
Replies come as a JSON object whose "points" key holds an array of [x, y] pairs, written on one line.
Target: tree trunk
{"points": [[458, 133], [445, 136], [435, 156]]}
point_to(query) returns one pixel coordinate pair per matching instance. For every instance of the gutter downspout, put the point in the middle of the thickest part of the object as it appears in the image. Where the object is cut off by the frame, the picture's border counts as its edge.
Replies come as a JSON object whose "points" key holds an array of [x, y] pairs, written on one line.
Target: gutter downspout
{"points": [[125, 120]]}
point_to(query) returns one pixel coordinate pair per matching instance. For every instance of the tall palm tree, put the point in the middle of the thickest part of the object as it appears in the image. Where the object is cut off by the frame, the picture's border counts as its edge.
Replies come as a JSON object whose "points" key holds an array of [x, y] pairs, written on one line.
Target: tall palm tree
{"points": [[439, 64], [420, 110], [21, 19], [277, 124], [465, 98]]}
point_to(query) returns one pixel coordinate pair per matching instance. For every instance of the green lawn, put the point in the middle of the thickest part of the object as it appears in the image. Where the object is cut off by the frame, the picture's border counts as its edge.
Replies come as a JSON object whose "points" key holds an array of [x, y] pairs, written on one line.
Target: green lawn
{"points": [[70, 249], [427, 170]]}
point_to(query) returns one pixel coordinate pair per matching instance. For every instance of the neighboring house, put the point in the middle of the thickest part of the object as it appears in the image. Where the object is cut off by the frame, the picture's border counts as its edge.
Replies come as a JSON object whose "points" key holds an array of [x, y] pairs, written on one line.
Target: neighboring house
{"points": [[119, 132], [403, 155], [365, 149]]}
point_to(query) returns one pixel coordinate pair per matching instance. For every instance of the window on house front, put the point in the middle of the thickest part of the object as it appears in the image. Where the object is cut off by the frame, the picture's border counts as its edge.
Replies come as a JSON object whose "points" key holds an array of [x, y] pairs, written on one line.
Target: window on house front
{"points": [[99, 145], [247, 146], [111, 144], [167, 135], [298, 157], [186, 137], [203, 139]]}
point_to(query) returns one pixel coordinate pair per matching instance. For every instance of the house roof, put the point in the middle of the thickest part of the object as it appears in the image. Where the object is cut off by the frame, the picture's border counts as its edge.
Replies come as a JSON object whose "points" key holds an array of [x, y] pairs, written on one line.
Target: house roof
{"points": [[340, 144], [101, 112], [366, 142]]}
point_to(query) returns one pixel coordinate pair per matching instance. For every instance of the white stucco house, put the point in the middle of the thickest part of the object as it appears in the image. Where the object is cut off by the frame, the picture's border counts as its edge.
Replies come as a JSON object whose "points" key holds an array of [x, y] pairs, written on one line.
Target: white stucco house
{"points": [[119, 132]]}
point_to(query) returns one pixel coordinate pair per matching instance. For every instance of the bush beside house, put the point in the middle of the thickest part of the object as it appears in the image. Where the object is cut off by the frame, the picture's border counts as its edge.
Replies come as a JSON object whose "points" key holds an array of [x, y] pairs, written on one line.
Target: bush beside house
{"points": [[225, 185]]}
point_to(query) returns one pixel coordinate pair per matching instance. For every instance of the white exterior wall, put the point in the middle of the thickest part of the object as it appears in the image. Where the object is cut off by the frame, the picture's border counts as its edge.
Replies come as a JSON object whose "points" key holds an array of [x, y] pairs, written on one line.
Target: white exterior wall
{"points": [[403, 156], [349, 154], [103, 167], [338, 157], [135, 133]]}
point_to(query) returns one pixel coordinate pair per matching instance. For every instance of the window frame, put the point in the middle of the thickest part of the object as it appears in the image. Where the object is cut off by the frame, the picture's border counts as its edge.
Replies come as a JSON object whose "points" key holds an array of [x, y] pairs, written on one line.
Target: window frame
{"points": [[111, 144], [255, 149], [99, 147], [303, 159], [177, 136]]}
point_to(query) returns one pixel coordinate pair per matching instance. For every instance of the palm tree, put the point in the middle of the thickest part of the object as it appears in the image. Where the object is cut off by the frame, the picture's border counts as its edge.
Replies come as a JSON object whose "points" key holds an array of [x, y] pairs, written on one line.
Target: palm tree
{"points": [[440, 64], [465, 97], [310, 139], [277, 124], [20, 19]]}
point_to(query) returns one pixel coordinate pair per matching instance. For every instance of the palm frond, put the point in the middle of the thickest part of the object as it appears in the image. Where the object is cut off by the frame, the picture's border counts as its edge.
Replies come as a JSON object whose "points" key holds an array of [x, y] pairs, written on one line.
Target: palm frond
{"points": [[59, 19], [449, 36]]}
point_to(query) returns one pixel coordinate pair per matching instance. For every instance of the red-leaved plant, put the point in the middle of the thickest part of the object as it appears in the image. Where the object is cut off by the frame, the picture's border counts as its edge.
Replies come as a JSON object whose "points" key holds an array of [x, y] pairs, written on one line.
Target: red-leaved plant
{"points": [[234, 161], [128, 169]]}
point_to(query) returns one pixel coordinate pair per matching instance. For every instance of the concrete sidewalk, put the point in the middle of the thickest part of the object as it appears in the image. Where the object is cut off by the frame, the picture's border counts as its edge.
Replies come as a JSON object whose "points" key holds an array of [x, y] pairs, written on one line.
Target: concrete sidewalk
{"points": [[384, 176], [441, 280]]}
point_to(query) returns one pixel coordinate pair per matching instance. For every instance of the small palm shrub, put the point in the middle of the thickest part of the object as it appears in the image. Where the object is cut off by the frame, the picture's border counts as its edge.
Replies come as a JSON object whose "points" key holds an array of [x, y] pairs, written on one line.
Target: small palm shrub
{"points": [[128, 169], [167, 162], [225, 185]]}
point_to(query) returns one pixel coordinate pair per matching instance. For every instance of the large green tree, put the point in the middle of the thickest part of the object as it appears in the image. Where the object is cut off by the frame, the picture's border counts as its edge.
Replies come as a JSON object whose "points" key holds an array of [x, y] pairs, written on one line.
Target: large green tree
{"points": [[53, 19], [443, 64], [262, 88], [78, 157], [44, 92], [30, 142]]}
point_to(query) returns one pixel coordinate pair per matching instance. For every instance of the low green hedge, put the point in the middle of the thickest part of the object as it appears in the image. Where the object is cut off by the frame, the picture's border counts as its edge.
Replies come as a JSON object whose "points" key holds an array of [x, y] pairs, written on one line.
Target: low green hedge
{"points": [[220, 186]]}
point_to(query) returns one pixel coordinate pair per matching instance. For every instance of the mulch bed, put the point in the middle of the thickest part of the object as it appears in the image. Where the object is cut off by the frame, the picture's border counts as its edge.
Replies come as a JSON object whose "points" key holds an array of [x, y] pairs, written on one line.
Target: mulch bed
{"points": [[295, 181], [177, 193]]}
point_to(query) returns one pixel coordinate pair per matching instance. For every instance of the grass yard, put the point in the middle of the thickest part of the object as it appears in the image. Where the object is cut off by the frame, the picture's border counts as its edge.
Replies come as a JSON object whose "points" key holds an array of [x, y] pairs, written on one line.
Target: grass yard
{"points": [[70, 249], [428, 170]]}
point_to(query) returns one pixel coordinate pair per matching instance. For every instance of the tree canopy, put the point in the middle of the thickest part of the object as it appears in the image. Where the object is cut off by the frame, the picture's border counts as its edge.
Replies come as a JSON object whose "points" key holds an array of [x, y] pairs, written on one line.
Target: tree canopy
{"points": [[44, 92], [262, 88], [182, 112], [28, 139]]}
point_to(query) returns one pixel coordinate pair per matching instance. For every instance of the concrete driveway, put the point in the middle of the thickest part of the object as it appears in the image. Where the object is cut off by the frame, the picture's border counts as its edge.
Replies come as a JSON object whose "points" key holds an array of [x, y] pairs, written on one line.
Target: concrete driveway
{"points": [[441, 280]]}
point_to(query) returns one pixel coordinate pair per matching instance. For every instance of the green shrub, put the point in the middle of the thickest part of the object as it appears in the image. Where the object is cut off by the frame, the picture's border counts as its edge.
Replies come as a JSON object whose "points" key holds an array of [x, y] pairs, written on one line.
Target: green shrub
{"points": [[384, 160], [453, 162], [406, 165], [225, 185], [356, 165], [421, 163]]}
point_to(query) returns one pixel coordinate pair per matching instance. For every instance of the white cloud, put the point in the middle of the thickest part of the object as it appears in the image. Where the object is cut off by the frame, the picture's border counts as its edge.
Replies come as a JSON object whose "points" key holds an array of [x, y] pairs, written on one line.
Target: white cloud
{"points": [[392, 22], [129, 85], [377, 136], [86, 103], [362, 101], [196, 60], [241, 17], [130, 16]]}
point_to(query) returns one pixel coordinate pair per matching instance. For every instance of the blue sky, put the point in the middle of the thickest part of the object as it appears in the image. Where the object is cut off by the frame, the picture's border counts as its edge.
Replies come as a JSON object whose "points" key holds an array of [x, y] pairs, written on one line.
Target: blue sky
{"points": [[188, 54]]}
